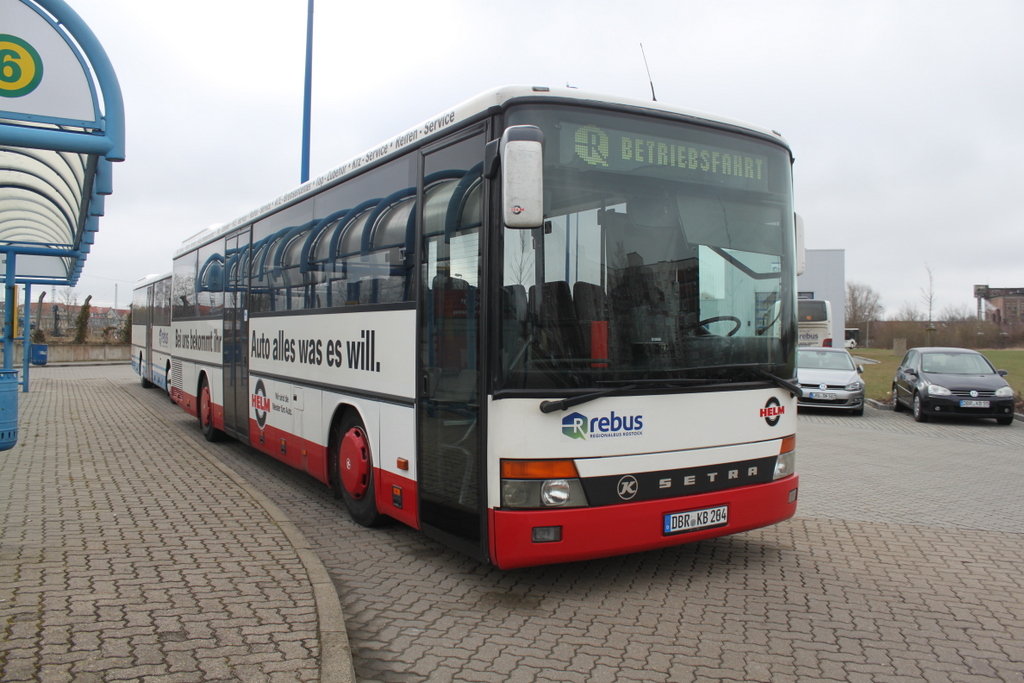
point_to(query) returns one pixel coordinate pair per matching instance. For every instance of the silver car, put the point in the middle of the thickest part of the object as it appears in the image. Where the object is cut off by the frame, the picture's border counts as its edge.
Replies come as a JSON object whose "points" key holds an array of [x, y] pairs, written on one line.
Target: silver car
{"points": [[829, 379]]}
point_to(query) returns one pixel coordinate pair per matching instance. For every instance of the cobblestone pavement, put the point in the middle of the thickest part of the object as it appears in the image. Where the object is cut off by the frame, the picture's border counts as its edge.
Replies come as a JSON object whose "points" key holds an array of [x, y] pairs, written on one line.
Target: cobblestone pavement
{"points": [[126, 554], [902, 564]]}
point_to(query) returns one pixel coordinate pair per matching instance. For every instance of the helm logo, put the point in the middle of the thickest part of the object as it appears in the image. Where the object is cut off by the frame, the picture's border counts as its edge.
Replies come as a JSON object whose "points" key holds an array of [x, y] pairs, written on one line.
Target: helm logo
{"points": [[773, 411], [260, 404]]}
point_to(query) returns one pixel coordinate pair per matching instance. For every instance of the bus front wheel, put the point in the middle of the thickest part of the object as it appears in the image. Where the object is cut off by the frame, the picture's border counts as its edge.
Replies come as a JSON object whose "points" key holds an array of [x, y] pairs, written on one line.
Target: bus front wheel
{"points": [[351, 472]]}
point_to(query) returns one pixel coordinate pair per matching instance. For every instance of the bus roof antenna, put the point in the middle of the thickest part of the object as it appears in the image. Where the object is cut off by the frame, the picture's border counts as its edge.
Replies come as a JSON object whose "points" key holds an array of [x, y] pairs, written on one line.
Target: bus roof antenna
{"points": [[650, 80]]}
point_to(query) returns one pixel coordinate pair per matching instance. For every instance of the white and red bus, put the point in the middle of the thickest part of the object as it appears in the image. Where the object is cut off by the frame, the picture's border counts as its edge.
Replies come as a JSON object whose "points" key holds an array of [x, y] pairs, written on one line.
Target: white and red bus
{"points": [[151, 330], [543, 326]]}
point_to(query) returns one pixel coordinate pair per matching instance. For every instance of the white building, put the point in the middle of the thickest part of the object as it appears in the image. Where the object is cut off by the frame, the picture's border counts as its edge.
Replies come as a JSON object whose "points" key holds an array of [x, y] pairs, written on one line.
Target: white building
{"points": [[825, 278]]}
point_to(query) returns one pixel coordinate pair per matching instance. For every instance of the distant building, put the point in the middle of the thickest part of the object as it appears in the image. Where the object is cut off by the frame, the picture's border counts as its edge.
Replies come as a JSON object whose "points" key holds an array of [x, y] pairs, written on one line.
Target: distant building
{"points": [[1005, 307], [824, 277], [58, 320]]}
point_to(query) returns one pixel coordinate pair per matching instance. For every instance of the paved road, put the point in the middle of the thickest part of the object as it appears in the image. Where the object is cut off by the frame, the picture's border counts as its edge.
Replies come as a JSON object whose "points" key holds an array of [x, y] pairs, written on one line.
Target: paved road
{"points": [[128, 554], [903, 564]]}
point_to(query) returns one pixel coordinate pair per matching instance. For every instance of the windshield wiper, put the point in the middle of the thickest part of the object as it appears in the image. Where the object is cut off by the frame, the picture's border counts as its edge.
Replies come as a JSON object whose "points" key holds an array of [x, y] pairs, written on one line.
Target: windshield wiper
{"points": [[794, 389], [566, 403], [667, 383], [756, 368]]}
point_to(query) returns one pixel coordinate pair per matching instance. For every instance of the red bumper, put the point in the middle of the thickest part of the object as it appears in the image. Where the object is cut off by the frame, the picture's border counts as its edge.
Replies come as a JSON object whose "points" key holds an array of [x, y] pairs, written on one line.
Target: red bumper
{"points": [[589, 533]]}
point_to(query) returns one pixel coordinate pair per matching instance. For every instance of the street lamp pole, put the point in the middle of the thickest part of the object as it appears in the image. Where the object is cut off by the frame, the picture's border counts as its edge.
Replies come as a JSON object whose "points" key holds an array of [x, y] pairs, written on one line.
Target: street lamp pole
{"points": [[307, 95]]}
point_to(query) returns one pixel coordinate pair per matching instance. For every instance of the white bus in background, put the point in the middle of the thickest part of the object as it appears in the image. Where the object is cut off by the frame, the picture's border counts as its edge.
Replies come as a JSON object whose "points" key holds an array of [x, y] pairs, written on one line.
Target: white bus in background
{"points": [[543, 326], [151, 330], [852, 337], [814, 322]]}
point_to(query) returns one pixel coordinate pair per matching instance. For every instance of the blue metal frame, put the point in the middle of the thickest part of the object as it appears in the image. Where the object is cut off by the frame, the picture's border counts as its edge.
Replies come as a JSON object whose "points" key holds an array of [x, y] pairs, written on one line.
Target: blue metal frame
{"points": [[105, 140]]}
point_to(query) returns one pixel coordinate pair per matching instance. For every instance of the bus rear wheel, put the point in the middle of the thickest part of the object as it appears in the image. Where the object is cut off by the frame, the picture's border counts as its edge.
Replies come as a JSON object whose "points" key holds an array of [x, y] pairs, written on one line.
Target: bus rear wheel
{"points": [[351, 470], [210, 433]]}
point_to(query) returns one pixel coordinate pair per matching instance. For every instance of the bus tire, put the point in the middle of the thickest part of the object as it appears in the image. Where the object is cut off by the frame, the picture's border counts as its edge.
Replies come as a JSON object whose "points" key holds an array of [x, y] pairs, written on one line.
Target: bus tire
{"points": [[146, 384], [205, 411], [351, 470], [167, 383]]}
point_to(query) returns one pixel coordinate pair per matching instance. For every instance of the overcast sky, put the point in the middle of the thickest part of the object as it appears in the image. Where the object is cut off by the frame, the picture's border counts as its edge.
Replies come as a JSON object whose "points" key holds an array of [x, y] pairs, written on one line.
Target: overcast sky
{"points": [[904, 117]]}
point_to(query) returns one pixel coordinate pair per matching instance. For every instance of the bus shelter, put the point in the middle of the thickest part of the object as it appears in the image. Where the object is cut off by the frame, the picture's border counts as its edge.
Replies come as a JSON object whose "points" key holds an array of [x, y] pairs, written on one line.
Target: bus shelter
{"points": [[61, 128]]}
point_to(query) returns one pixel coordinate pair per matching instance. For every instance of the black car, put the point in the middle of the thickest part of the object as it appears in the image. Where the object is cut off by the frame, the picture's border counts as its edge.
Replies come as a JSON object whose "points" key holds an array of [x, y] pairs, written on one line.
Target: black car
{"points": [[951, 382]]}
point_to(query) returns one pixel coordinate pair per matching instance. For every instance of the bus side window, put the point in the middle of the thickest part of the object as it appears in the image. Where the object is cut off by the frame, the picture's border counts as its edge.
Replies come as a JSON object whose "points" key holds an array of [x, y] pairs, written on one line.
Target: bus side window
{"points": [[289, 290], [389, 270], [210, 280], [184, 286]]}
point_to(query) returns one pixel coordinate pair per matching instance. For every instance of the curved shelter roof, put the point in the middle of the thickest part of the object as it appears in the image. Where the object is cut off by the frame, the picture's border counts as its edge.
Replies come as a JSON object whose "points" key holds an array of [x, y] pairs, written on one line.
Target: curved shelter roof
{"points": [[61, 127]]}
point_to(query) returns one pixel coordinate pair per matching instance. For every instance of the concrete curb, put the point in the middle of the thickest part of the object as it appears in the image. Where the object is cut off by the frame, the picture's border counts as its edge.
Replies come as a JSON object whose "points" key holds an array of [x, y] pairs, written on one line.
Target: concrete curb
{"points": [[335, 652]]}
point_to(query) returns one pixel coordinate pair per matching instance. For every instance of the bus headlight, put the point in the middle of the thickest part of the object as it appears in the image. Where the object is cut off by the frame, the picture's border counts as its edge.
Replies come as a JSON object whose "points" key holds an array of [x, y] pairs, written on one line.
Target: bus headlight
{"points": [[515, 493], [541, 484], [551, 493], [785, 465], [554, 492]]}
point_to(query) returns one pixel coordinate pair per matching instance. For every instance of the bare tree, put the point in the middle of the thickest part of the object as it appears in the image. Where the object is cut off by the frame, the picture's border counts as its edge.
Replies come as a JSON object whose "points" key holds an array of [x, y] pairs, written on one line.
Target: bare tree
{"points": [[908, 313], [863, 304], [520, 261], [958, 314], [928, 295], [66, 296]]}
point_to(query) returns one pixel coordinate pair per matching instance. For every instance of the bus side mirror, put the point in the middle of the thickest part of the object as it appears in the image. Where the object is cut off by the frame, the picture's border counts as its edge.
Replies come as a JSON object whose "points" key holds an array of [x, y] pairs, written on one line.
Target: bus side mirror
{"points": [[801, 251], [522, 177]]}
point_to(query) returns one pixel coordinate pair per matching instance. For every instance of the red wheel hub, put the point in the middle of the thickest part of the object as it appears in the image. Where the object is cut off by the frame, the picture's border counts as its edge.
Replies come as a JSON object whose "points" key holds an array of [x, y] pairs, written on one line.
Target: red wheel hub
{"points": [[354, 463]]}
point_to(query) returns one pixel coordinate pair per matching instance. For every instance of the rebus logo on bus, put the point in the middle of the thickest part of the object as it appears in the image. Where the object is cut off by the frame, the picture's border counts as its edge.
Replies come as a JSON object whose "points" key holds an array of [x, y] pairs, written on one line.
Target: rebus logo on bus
{"points": [[592, 145], [21, 68], [578, 425]]}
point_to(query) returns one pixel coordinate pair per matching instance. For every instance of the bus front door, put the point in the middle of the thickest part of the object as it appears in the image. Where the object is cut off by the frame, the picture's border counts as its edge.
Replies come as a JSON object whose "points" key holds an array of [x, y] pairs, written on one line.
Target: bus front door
{"points": [[147, 369], [448, 405], [236, 333]]}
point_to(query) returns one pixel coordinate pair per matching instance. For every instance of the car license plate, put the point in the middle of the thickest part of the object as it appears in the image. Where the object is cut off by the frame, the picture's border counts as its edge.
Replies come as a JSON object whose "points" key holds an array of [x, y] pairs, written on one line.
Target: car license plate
{"points": [[823, 396], [692, 520], [974, 404]]}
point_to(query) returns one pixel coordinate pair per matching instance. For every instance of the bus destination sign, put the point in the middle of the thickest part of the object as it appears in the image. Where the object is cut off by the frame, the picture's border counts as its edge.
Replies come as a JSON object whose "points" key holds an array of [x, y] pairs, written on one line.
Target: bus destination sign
{"points": [[605, 149]]}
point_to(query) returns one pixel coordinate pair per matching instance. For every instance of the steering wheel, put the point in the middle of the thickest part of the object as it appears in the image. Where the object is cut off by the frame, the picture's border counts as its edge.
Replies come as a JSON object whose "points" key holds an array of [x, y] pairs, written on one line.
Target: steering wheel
{"points": [[717, 319]]}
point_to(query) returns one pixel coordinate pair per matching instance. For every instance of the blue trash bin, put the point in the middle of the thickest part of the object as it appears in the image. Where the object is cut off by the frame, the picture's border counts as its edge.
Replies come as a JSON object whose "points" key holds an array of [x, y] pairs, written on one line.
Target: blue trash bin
{"points": [[39, 352], [8, 409]]}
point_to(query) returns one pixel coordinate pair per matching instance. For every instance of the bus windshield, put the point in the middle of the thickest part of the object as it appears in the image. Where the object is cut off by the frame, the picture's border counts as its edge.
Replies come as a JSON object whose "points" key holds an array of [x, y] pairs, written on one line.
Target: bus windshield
{"points": [[666, 252], [812, 310]]}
